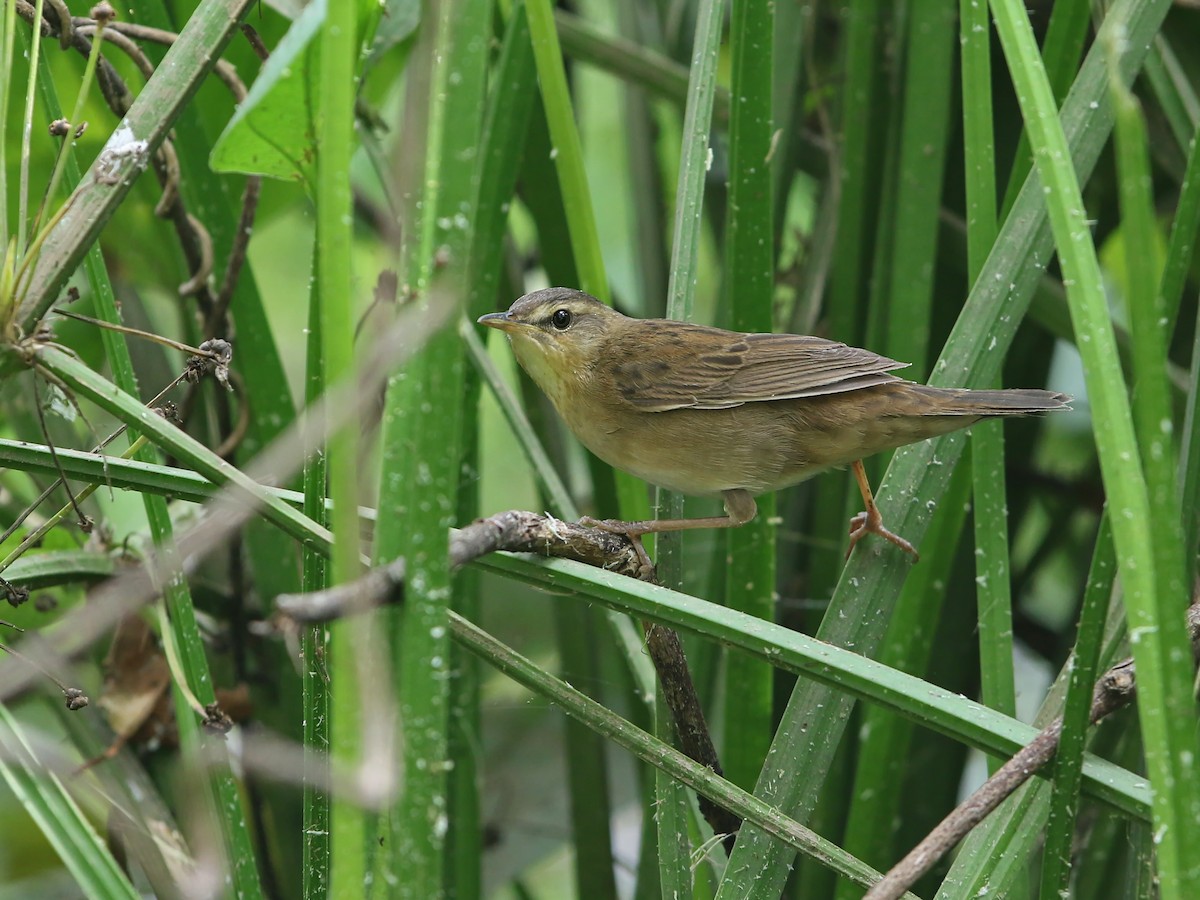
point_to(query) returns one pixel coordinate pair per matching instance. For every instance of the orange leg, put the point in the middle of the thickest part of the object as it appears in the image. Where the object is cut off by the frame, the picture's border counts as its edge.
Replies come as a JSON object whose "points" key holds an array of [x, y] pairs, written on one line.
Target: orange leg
{"points": [[740, 508], [871, 522]]}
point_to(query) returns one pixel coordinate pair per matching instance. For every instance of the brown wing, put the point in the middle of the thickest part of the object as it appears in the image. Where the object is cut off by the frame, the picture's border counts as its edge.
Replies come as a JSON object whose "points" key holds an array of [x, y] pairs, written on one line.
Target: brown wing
{"points": [[682, 366]]}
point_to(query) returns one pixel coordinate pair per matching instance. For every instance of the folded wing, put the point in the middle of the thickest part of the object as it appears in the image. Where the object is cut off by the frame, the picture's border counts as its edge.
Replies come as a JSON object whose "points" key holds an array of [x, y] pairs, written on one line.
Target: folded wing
{"points": [[691, 366]]}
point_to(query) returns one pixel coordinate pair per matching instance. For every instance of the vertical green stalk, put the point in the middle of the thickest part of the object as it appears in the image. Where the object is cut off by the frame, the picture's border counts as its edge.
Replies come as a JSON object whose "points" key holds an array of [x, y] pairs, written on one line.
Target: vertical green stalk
{"points": [[335, 296], [1156, 617], [750, 289], [1068, 761], [1148, 318], [992, 573], [423, 437], [645, 179], [8, 33], [670, 817], [1189, 457], [855, 169], [314, 646], [1182, 242], [509, 103], [442, 441], [27, 129], [674, 871], [929, 54]]}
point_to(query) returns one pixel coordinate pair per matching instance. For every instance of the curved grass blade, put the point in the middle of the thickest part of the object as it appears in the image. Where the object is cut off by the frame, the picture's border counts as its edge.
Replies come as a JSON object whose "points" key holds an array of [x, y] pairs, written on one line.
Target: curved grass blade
{"points": [[812, 725]]}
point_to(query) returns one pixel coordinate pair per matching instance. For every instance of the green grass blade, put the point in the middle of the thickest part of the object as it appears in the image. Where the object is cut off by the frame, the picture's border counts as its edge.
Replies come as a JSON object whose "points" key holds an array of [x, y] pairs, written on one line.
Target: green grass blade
{"points": [[924, 137], [855, 171], [675, 874], [750, 289], [1182, 242], [334, 297], [647, 195], [857, 168], [1156, 618], [821, 663], [1064, 799], [87, 383], [1148, 318], [68, 830], [1189, 462], [568, 158], [1172, 88], [992, 573], [182, 484], [315, 844], [884, 737], [664, 757], [814, 719]]}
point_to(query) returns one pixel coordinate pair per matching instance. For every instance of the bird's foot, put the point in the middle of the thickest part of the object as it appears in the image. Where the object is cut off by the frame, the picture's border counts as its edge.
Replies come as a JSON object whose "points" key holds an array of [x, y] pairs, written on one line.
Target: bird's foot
{"points": [[631, 530], [872, 523]]}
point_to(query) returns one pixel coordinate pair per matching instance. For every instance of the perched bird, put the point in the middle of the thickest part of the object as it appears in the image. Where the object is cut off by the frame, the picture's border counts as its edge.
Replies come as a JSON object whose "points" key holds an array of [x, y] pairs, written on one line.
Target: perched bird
{"points": [[705, 411]]}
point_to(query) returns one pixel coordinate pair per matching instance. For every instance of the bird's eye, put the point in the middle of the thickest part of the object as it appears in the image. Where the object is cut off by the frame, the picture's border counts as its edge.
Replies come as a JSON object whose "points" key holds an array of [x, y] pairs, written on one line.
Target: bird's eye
{"points": [[561, 319]]}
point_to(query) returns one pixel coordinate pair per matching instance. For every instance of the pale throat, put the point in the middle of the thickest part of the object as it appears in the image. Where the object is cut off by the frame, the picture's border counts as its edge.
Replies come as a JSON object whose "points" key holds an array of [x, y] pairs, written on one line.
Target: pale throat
{"points": [[533, 360]]}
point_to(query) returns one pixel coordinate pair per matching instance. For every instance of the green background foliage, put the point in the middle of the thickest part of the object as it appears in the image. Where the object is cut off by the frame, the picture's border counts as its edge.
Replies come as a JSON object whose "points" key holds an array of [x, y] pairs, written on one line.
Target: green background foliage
{"points": [[1000, 195]]}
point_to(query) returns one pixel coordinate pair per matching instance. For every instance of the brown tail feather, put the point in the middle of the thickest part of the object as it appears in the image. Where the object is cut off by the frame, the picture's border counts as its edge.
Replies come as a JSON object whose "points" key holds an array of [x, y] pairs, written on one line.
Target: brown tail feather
{"points": [[1015, 402]]}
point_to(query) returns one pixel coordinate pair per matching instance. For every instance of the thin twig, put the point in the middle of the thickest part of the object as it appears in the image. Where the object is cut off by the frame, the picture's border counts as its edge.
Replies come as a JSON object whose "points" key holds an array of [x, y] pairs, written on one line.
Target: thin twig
{"points": [[75, 697], [237, 257], [235, 437], [28, 510], [85, 523], [137, 332]]}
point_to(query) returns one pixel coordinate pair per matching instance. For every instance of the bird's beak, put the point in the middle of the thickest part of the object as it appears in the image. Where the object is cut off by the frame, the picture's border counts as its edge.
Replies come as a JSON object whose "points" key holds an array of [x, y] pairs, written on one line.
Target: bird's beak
{"points": [[500, 320]]}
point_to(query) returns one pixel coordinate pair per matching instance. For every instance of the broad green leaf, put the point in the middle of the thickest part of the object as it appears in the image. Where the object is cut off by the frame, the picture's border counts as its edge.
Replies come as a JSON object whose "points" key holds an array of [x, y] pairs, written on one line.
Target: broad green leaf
{"points": [[273, 131]]}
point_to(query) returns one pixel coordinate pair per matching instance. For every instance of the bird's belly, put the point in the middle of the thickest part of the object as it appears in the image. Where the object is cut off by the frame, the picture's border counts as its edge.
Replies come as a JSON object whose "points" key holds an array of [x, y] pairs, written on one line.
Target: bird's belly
{"points": [[759, 446], [702, 452]]}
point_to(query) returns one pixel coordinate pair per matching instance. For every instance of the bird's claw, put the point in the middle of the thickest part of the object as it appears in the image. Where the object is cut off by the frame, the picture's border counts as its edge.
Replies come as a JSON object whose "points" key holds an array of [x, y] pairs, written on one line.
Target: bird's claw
{"points": [[632, 533], [865, 523]]}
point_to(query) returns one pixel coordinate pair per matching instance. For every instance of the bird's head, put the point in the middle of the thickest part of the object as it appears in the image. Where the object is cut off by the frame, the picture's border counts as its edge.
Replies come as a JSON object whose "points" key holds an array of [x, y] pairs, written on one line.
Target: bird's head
{"points": [[557, 334]]}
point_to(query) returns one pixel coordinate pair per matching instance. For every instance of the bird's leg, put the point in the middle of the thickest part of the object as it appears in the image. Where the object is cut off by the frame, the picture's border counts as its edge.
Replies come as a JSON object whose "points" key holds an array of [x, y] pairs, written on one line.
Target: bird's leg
{"points": [[871, 522], [740, 508]]}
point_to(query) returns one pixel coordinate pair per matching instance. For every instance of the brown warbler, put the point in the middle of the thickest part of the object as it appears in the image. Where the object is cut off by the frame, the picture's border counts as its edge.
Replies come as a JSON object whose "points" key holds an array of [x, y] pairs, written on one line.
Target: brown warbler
{"points": [[705, 411]]}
